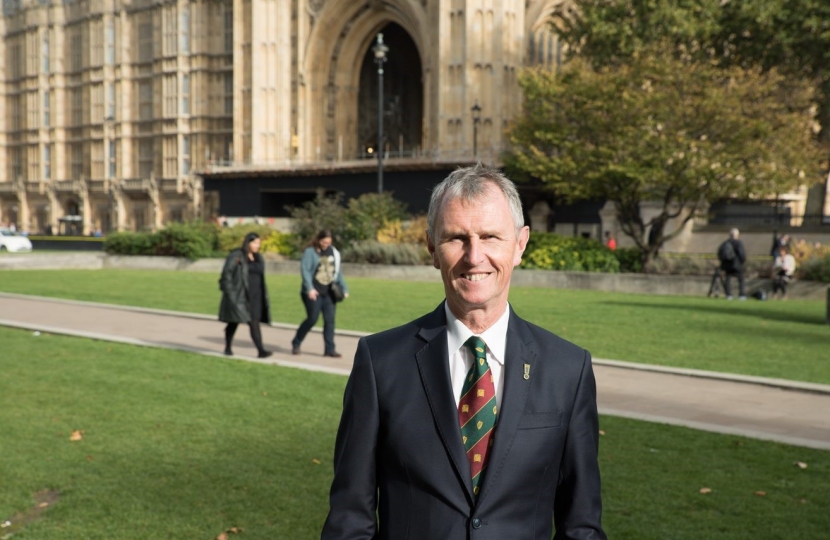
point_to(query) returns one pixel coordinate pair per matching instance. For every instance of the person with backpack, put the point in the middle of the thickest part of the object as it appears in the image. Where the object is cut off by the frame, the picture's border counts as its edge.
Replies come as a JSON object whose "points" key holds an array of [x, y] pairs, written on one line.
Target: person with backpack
{"points": [[732, 257]]}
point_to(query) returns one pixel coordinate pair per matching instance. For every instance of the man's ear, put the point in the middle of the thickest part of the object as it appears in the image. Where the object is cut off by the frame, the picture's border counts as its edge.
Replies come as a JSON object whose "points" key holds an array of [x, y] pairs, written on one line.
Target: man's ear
{"points": [[524, 236], [431, 249]]}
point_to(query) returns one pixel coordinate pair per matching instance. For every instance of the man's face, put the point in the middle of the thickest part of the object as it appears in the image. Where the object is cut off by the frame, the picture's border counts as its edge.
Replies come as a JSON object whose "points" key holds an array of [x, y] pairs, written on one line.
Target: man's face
{"points": [[475, 248]]}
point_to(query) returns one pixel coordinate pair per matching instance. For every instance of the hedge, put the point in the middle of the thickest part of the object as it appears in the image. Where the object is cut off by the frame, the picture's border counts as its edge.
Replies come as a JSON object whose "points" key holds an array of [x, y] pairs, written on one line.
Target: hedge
{"points": [[550, 251]]}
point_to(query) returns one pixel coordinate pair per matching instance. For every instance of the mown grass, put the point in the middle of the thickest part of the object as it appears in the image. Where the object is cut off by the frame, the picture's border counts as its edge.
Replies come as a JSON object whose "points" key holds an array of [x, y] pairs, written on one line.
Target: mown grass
{"points": [[178, 445], [773, 339]]}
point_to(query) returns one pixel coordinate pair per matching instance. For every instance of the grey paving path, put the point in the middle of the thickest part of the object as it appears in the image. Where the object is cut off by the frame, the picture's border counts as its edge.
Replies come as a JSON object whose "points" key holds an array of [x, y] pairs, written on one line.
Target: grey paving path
{"points": [[760, 408]]}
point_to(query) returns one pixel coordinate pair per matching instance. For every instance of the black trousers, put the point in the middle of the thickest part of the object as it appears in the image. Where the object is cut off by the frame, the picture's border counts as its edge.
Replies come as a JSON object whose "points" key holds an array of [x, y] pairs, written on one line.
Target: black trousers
{"points": [[728, 285], [313, 308], [779, 283], [256, 334]]}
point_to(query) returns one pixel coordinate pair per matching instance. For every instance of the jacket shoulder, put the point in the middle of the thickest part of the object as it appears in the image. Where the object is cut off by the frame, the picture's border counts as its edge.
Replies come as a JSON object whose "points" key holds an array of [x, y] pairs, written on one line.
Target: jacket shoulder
{"points": [[413, 335], [397, 334], [545, 341]]}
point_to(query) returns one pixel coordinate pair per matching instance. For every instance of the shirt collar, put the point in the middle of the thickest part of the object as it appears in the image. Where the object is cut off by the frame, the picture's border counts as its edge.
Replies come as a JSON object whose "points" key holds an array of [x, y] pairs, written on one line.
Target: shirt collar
{"points": [[495, 337]]}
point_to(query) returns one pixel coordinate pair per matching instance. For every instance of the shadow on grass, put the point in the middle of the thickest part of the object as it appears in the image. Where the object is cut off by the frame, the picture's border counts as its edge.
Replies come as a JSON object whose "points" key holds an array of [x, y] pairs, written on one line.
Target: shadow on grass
{"points": [[739, 308]]}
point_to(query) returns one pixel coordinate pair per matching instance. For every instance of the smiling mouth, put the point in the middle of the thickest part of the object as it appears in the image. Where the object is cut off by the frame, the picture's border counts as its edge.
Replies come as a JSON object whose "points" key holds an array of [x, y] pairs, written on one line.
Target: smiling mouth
{"points": [[474, 277]]}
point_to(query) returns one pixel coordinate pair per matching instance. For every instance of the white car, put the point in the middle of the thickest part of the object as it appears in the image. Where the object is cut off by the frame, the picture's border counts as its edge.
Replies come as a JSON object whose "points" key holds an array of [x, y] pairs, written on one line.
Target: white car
{"points": [[13, 242]]}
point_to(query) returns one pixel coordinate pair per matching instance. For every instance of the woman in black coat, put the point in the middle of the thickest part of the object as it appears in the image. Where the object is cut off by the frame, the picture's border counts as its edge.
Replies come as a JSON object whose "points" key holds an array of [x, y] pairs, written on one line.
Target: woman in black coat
{"points": [[244, 295]]}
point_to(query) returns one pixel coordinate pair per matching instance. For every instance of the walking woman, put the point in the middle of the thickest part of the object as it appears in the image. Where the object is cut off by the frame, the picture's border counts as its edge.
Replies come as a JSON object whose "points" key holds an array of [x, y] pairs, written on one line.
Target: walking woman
{"points": [[244, 296], [320, 268]]}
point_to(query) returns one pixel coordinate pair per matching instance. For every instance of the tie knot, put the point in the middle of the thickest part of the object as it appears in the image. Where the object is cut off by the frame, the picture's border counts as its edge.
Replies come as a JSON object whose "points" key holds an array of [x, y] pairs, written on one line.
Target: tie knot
{"points": [[477, 346]]}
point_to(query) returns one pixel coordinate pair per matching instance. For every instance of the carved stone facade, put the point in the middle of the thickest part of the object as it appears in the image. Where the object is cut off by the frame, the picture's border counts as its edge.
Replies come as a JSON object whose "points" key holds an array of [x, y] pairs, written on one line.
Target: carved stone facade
{"points": [[110, 110], [106, 109]]}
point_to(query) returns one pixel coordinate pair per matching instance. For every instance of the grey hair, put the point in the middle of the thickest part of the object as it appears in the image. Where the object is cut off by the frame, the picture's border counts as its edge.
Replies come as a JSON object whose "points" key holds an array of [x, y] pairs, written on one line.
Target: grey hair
{"points": [[469, 184], [733, 233]]}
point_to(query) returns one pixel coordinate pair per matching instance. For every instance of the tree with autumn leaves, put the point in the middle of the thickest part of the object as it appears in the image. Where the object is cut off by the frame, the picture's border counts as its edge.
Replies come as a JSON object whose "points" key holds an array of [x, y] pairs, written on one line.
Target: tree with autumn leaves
{"points": [[680, 102], [664, 127]]}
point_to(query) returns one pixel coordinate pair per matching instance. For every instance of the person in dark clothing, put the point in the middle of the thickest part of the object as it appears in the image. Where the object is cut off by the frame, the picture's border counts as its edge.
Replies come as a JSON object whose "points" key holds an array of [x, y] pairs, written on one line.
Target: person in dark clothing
{"points": [[320, 268], [244, 294], [732, 256], [777, 243]]}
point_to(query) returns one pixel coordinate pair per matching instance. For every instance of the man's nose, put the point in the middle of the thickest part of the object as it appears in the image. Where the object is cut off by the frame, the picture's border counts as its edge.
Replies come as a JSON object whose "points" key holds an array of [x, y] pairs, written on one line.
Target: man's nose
{"points": [[475, 251]]}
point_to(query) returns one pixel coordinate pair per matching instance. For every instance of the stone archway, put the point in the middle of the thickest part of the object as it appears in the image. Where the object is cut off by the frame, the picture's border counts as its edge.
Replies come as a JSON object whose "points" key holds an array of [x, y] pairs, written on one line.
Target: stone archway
{"points": [[71, 221], [403, 96], [342, 34]]}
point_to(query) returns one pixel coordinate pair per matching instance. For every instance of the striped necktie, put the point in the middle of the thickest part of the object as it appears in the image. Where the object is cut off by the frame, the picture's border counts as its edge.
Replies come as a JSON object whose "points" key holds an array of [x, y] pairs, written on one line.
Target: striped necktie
{"points": [[477, 411]]}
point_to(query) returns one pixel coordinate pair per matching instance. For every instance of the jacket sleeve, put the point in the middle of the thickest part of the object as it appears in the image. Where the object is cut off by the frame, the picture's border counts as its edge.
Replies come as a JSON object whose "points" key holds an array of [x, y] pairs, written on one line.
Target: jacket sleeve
{"points": [[353, 497], [741, 252], [226, 280], [339, 275], [307, 268], [578, 510]]}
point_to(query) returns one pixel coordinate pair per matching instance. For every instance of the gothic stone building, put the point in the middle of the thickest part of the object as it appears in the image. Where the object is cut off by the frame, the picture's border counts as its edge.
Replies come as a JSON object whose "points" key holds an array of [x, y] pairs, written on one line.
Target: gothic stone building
{"points": [[126, 114]]}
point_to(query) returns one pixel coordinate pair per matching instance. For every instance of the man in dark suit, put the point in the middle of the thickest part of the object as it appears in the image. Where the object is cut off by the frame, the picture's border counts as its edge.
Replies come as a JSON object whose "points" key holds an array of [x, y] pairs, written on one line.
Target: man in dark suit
{"points": [[469, 423]]}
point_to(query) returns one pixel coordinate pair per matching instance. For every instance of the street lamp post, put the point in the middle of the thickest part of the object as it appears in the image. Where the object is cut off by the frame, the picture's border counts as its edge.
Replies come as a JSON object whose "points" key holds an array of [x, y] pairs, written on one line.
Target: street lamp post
{"points": [[476, 110], [380, 51]]}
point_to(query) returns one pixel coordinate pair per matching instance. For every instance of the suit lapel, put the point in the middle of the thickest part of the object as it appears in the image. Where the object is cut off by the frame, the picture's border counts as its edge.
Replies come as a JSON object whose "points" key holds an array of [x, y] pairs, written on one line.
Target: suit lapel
{"points": [[433, 365], [518, 352]]}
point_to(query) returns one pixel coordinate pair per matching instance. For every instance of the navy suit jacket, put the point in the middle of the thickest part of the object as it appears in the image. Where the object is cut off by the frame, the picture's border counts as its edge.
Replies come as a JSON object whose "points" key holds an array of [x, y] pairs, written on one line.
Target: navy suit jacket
{"points": [[400, 470]]}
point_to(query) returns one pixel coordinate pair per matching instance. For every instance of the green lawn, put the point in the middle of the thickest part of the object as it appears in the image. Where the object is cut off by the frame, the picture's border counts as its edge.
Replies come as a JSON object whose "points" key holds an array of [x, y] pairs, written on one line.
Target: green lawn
{"points": [[178, 445], [774, 339]]}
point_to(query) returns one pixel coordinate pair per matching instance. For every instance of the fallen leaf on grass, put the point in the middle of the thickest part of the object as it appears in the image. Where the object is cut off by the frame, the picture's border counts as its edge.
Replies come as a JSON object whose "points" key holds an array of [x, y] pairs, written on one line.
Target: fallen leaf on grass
{"points": [[43, 505], [800, 464], [265, 393], [761, 493], [89, 458], [705, 490], [77, 435], [316, 461], [232, 530], [601, 432]]}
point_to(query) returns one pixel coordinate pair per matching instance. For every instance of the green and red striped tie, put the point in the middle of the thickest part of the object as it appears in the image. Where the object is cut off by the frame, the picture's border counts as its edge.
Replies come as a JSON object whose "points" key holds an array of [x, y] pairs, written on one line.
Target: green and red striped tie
{"points": [[477, 411]]}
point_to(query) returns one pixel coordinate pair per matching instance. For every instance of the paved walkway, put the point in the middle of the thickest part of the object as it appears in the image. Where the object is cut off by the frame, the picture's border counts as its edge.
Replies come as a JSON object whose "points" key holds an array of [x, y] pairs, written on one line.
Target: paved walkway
{"points": [[794, 413]]}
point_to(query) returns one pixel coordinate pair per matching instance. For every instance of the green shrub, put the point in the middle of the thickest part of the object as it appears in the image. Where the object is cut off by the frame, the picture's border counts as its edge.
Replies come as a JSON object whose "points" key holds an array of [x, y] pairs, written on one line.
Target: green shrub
{"points": [[280, 243], [369, 213], [130, 243], [191, 240], [550, 251], [184, 240], [231, 238], [360, 220], [413, 231], [373, 252], [326, 212], [630, 260], [817, 269]]}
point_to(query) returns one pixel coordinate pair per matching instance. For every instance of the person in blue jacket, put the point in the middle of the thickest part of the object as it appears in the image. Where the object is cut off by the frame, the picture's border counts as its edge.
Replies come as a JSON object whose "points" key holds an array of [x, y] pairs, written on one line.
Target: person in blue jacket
{"points": [[321, 272]]}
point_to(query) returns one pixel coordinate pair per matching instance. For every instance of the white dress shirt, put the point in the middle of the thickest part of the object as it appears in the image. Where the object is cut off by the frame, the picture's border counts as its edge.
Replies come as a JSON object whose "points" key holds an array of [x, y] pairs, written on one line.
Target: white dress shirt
{"points": [[461, 359]]}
